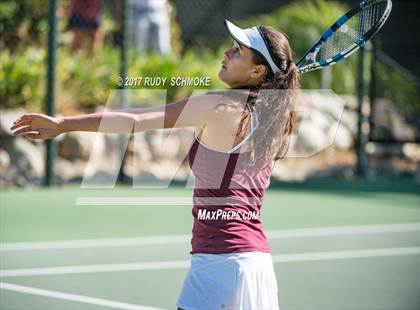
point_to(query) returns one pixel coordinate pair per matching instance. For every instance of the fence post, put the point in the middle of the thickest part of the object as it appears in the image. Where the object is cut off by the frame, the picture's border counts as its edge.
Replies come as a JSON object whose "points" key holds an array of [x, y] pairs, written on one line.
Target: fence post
{"points": [[50, 145], [362, 122], [123, 72], [372, 87]]}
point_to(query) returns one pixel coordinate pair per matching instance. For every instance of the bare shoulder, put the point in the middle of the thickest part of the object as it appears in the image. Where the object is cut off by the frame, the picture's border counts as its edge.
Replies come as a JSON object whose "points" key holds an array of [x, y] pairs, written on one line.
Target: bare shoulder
{"points": [[195, 111], [219, 108], [225, 111]]}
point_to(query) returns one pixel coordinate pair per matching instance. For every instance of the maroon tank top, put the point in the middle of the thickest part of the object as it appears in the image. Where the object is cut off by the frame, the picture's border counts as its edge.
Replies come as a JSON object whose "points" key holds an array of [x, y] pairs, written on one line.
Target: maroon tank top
{"points": [[228, 195]]}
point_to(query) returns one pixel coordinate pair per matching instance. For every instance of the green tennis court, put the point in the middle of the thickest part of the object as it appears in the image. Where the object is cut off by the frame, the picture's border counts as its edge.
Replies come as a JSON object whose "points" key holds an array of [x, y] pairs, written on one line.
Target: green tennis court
{"points": [[335, 244]]}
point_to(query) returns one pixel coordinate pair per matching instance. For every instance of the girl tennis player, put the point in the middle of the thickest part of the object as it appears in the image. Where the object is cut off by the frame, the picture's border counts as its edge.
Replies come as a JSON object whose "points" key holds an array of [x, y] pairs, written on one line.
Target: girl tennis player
{"points": [[239, 133]]}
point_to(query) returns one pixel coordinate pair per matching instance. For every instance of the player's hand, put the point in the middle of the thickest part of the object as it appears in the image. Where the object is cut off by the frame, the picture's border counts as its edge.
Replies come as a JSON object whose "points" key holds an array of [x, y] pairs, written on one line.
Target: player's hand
{"points": [[36, 126]]}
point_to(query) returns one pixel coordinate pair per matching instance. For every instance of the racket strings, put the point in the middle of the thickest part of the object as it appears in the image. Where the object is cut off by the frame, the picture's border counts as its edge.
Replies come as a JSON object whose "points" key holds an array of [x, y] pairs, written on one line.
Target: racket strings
{"points": [[355, 28]]}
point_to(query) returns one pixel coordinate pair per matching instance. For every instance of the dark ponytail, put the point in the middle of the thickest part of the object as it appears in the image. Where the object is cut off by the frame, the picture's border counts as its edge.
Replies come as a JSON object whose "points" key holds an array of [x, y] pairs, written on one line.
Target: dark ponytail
{"points": [[273, 99]]}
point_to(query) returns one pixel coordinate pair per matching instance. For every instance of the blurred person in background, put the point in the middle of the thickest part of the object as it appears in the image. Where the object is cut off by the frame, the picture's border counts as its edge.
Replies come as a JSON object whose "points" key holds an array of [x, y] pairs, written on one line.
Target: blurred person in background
{"points": [[85, 22], [149, 24]]}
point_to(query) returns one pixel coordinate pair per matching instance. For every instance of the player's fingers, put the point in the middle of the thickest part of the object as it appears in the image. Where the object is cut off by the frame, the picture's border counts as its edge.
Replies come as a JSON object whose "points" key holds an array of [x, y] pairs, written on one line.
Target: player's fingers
{"points": [[22, 130], [28, 116], [20, 123], [34, 135]]}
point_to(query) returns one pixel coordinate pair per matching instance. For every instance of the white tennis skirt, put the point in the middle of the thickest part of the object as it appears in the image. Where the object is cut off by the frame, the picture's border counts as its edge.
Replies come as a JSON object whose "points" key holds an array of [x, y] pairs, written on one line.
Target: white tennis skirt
{"points": [[230, 281]]}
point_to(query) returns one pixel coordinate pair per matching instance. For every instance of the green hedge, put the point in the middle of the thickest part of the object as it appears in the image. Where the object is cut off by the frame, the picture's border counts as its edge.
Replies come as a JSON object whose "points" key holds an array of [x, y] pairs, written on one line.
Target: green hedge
{"points": [[22, 79], [85, 82], [23, 23]]}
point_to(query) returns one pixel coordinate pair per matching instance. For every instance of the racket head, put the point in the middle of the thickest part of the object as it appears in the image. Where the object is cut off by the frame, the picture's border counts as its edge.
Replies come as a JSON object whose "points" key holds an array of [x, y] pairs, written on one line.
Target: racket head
{"points": [[346, 35]]}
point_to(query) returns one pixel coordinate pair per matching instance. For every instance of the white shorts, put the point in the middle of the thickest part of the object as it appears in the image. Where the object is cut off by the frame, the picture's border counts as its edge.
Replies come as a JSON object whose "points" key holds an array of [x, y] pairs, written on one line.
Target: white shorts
{"points": [[230, 281]]}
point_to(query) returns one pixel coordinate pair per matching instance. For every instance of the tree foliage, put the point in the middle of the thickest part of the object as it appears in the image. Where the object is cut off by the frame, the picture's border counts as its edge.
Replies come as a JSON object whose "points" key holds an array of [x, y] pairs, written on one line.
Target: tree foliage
{"points": [[23, 23]]}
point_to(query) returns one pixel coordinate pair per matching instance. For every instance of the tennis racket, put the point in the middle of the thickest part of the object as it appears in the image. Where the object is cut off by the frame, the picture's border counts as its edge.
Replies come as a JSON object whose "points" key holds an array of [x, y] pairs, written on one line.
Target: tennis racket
{"points": [[346, 35]]}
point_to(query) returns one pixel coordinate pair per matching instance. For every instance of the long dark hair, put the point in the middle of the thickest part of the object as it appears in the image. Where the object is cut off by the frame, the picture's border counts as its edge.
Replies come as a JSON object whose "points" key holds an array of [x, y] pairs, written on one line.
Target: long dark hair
{"points": [[275, 108]]}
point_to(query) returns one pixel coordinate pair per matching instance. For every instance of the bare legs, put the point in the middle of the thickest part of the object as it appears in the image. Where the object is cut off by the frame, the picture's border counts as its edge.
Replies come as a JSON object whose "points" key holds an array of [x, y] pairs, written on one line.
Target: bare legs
{"points": [[90, 39]]}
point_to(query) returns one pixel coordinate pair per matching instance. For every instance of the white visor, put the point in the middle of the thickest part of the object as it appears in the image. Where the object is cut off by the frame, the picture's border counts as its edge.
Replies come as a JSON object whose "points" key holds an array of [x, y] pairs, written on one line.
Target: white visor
{"points": [[252, 39]]}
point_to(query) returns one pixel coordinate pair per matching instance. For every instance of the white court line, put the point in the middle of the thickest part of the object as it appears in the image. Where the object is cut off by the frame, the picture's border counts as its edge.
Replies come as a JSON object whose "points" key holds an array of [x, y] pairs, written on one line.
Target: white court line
{"points": [[134, 201], [94, 243], [179, 239], [316, 256], [282, 258], [161, 201], [4, 273], [72, 297]]}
